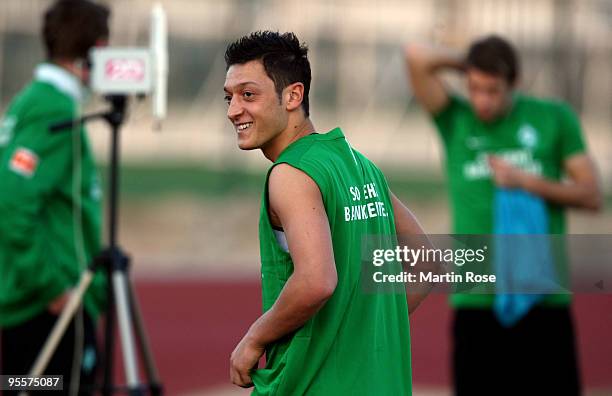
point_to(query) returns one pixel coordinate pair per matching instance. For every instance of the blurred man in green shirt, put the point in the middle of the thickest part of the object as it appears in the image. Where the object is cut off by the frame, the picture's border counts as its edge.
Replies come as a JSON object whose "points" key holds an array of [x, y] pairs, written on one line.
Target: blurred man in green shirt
{"points": [[499, 138], [50, 202]]}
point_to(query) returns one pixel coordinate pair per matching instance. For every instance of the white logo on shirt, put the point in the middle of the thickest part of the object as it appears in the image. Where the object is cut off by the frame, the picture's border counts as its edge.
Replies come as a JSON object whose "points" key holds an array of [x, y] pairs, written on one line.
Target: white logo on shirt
{"points": [[6, 129], [96, 190], [528, 136]]}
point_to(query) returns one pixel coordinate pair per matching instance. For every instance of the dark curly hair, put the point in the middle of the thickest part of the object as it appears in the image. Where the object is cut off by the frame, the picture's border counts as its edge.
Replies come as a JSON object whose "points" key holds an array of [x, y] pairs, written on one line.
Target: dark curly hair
{"points": [[72, 27], [284, 59], [494, 55]]}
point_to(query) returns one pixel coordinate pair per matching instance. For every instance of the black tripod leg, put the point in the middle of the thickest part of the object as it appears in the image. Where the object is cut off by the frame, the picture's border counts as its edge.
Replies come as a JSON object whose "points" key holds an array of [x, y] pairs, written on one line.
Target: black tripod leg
{"points": [[109, 337], [144, 344], [119, 292]]}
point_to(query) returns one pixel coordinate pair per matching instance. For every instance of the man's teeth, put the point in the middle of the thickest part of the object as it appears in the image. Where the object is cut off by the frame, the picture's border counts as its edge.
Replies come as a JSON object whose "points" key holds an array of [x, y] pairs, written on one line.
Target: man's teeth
{"points": [[242, 127]]}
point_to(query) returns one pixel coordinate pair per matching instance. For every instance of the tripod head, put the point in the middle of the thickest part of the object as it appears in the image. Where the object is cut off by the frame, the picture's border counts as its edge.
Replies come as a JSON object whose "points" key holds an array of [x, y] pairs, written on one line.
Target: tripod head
{"points": [[115, 116]]}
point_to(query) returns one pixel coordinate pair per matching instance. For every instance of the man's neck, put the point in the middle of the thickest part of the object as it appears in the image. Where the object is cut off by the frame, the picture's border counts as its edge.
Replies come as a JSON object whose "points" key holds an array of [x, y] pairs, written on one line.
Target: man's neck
{"points": [[69, 65], [61, 78], [294, 132], [507, 108]]}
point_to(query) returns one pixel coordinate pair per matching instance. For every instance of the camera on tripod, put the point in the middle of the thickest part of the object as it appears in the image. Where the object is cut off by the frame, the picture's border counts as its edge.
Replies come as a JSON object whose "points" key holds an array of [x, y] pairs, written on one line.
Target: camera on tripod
{"points": [[135, 70]]}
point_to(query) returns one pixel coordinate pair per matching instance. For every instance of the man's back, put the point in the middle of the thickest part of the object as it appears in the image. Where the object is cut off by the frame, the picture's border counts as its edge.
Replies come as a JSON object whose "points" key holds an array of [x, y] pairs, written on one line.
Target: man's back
{"points": [[38, 233], [359, 342]]}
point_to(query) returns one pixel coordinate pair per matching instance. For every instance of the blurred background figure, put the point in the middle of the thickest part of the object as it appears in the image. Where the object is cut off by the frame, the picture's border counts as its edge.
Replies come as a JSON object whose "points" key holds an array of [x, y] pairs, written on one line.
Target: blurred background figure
{"points": [[50, 203], [189, 195], [499, 142]]}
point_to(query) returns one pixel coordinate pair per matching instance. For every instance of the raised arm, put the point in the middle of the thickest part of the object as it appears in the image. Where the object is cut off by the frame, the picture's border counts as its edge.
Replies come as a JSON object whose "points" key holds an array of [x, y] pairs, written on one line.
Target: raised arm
{"points": [[296, 202], [424, 65]]}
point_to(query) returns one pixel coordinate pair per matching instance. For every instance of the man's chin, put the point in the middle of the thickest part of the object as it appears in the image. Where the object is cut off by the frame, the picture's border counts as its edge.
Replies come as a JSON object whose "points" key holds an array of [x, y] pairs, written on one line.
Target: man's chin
{"points": [[486, 117], [246, 146]]}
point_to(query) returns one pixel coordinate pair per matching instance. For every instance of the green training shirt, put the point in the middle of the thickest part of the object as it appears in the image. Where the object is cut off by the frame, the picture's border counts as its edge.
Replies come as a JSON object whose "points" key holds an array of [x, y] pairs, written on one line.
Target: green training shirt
{"points": [[535, 135], [49, 200], [358, 343]]}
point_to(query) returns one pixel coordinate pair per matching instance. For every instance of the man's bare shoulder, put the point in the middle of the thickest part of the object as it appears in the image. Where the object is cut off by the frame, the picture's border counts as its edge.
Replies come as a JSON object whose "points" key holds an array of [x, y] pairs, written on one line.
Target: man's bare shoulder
{"points": [[287, 182]]}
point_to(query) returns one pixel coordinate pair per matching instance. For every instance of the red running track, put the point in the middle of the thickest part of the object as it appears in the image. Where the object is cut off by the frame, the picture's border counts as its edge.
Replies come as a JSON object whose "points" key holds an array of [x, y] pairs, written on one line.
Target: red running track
{"points": [[194, 325]]}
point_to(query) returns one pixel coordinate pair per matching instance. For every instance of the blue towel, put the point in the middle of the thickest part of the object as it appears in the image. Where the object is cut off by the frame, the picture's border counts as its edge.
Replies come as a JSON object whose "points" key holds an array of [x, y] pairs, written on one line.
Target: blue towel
{"points": [[522, 256]]}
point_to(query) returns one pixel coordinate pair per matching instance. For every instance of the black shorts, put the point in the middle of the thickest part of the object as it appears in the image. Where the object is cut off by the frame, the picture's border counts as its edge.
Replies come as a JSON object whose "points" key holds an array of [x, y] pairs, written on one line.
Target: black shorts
{"points": [[535, 357], [21, 345]]}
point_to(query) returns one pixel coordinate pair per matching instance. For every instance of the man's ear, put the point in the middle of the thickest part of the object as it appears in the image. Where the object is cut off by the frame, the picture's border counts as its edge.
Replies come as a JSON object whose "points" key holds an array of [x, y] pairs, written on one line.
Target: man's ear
{"points": [[515, 84], [294, 95], [101, 42]]}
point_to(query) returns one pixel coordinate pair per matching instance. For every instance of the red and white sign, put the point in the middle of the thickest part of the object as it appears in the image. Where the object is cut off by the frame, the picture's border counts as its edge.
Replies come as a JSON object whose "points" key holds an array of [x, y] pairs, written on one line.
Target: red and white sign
{"points": [[121, 71], [124, 69], [24, 162]]}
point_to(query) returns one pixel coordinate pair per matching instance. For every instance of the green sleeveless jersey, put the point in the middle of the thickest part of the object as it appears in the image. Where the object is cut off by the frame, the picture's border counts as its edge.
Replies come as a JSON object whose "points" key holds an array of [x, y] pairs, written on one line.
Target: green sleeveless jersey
{"points": [[358, 343]]}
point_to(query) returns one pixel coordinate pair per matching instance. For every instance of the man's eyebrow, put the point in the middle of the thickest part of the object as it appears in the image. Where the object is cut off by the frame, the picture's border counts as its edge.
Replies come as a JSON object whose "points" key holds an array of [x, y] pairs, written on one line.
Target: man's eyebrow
{"points": [[242, 84]]}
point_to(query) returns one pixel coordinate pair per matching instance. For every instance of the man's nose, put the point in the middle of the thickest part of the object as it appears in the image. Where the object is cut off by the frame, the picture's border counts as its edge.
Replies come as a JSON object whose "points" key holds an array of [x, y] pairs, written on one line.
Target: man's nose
{"points": [[234, 110]]}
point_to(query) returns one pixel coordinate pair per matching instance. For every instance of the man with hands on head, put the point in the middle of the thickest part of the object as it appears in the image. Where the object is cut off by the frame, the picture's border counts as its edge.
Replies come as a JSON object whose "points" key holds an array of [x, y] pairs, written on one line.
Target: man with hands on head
{"points": [[498, 139]]}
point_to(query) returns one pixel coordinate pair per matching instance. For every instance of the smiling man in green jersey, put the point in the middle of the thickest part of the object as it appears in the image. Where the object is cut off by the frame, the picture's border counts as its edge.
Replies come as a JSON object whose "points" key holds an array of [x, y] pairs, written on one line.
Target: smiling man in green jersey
{"points": [[50, 202], [498, 138], [322, 334]]}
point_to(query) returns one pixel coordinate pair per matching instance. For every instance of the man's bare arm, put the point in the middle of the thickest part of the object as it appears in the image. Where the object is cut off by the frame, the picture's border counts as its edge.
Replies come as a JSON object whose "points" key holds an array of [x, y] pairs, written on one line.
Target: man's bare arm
{"points": [[295, 200], [410, 233], [424, 65], [582, 190]]}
